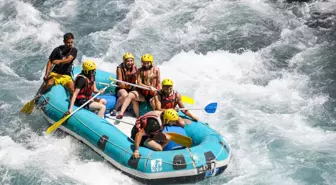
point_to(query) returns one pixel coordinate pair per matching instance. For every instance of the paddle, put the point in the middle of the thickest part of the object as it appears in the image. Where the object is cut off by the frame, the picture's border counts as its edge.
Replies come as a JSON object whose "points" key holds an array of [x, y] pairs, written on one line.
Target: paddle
{"points": [[210, 108], [177, 138], [185, 99], [29, 107], [180, 139], [59, 123]]}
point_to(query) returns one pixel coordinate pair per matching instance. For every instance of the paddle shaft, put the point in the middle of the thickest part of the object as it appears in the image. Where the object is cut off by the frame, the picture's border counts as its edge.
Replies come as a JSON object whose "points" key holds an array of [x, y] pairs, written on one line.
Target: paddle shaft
{"points": [[107, 84], [44, 82], [139, 86], [210, 108]]}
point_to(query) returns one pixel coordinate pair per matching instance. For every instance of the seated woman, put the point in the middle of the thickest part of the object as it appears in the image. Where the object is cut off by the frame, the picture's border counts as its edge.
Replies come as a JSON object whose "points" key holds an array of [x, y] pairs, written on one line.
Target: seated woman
{"points": [[167, 98], [126, 71], [148, 77], [147, 130], [85, 85]]}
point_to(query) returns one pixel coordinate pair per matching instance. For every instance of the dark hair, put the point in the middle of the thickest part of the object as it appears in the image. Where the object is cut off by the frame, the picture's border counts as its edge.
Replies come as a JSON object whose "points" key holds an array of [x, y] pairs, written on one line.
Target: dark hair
{"points": [[68, 36], [152, 125]]}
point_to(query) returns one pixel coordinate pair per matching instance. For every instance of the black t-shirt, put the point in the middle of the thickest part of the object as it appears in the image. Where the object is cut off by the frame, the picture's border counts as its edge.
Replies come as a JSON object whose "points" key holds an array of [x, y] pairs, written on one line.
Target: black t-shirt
{"points": [[80, 83], [61, 53]]}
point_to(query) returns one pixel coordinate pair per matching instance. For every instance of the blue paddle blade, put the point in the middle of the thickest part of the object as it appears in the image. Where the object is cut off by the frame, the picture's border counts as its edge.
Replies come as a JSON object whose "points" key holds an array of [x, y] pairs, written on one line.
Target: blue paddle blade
{"points": [[211, 108]]}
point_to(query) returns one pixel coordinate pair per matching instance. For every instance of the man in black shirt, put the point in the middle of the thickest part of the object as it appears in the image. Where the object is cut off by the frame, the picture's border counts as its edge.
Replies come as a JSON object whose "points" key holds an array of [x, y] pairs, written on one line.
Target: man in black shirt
{"points": [[62, 59]]}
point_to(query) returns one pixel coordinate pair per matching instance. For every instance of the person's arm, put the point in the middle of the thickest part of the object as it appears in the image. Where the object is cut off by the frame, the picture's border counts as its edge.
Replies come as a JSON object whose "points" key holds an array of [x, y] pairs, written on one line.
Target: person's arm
{"points": [[137, 141], [139, 80], [96, 90], [69, 58], [64, 61], [119, 77], [158, 103], [73, 99], [48, 68], [158, 79], [50, 62], [79, 84], [186, 112]]}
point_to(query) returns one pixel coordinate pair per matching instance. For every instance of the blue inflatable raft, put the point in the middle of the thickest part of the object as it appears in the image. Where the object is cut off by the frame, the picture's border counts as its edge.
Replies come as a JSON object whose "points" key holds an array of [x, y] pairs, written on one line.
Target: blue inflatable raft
{"points": [[209, 155]]}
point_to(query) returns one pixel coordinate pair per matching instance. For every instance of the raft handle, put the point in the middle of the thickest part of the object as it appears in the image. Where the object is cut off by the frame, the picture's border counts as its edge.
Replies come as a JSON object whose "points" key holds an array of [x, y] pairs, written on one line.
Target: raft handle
{"points": [[179, 162]]}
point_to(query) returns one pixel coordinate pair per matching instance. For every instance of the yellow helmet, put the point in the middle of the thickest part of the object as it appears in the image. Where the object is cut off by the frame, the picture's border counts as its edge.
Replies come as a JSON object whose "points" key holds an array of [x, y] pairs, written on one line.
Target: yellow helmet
{"points": [[147, 58], [167, 81], [170, 115], [88, 65], [127, 56]]}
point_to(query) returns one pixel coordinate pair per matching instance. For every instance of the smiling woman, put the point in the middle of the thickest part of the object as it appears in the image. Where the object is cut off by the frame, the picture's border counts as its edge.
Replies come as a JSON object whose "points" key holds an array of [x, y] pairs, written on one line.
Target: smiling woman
{"points": [[271, 74]]}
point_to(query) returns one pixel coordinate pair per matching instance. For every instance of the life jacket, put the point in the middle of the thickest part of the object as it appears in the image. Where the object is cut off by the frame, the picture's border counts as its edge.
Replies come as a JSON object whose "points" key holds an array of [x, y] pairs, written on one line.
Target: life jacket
{"points": [[141, 122], [168, 102], [86, 91], [127, 75], [149, 77]]}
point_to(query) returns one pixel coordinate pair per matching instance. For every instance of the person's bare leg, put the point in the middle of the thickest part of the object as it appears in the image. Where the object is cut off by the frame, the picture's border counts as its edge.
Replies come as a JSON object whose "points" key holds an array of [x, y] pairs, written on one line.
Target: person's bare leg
{"points": [[102, 101], [153, 145], [71, 87], [180, 122], [47, 85], [136, 108], [126, 102], [122, 94], [166, 141], [98, 104], [164, 144], [101, 112], [133, 95], [152, 103]]}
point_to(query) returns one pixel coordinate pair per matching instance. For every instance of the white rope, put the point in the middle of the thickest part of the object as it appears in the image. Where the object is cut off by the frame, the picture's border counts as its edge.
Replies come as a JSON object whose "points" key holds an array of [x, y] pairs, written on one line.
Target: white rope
{"points": [[111, 142]]}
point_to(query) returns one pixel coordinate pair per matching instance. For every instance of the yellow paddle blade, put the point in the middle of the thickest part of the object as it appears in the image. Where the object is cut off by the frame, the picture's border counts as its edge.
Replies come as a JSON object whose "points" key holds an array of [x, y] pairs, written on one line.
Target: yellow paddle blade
{"points": [[28, 107], [57, 124], [186, 99], [180, 139]]}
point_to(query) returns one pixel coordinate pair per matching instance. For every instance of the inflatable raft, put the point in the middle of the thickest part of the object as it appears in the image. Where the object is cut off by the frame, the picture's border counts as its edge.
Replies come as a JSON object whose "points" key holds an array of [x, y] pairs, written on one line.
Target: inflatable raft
{"points": [[208, 156]]}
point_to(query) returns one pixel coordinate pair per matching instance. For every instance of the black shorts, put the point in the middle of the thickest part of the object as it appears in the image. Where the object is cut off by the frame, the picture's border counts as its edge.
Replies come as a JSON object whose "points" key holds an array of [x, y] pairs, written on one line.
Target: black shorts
{"points": [[80, 102], [148, 97]]}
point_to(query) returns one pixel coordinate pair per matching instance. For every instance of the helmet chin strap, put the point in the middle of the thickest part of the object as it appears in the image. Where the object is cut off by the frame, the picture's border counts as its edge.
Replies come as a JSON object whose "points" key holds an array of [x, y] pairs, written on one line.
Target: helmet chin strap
{"points": [[93, 72], [166, 94], [149, 66]]}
